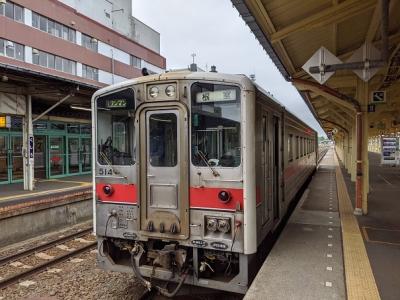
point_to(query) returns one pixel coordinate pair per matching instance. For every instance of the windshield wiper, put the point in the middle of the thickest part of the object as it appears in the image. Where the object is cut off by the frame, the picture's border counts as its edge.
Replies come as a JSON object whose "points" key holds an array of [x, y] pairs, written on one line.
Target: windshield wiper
{"points": [[108, 162], [203, 157]]}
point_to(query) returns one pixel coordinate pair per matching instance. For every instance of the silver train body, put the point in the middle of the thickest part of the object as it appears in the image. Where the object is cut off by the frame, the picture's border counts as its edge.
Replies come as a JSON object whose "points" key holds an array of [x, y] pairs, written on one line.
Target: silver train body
{"points": [[191, 172]]}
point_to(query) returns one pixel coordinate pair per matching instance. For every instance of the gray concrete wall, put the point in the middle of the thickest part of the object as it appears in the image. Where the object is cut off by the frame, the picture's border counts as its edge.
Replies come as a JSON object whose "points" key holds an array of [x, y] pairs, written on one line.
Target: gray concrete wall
{"points": [[36, 222]]}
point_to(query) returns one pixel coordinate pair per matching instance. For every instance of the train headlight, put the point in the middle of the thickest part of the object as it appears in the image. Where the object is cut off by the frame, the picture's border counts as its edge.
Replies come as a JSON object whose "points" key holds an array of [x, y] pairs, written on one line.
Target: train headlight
{"points": [[108, 190], [170, 91], [224, 196], [224, 225], [153, 92], [212, 225]]}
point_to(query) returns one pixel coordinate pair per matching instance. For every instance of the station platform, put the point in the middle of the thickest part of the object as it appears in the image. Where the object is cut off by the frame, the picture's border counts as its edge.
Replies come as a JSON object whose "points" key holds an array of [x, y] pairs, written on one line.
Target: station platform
{"points": [[13, 195], [381, 226], [321, 253]]}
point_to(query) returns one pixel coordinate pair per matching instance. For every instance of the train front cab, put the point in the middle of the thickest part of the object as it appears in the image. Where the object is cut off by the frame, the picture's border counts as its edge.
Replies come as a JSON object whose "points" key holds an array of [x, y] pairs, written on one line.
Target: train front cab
{"points": [[175, 185]]}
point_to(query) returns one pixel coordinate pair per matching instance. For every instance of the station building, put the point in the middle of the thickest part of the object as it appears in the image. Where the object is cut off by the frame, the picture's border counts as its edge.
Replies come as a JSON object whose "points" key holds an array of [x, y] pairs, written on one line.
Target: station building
{"points": [[53, 56]]}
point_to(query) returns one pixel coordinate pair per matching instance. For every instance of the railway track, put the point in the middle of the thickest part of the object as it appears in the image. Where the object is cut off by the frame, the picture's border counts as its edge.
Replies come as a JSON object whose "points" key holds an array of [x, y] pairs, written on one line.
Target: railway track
{"points": [[12, 279]]}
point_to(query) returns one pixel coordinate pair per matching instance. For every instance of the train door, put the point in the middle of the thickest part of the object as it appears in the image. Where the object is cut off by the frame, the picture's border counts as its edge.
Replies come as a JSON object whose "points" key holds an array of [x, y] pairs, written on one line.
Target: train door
{"points": [[164, 173], [265, 163], [276, 166]]}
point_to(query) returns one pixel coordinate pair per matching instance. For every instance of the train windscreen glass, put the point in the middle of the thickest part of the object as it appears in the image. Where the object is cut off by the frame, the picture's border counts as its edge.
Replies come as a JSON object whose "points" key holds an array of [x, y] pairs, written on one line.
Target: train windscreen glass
{"points": [[115, 128], [215, 125]]}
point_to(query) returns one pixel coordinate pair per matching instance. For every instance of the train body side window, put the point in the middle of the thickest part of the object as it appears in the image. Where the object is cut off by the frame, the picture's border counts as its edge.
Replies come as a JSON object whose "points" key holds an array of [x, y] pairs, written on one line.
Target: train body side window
{"points": [[301, 147], [290, 147], [307, 146], [264, 128]]}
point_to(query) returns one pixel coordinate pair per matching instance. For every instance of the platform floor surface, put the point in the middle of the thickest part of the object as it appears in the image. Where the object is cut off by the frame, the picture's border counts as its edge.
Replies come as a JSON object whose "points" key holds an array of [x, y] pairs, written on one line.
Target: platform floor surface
{"points": [[381, 226], [307, 261], [15, 193]]}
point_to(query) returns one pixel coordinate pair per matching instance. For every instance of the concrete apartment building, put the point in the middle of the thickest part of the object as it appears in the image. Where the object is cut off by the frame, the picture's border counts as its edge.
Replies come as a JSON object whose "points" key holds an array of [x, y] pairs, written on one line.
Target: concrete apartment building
{"points": [[53, 56]]}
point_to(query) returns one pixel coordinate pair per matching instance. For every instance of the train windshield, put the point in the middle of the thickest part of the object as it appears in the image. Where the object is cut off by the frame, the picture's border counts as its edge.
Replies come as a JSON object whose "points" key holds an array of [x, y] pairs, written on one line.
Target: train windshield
{"points": [[115, 128], [215, 125]]}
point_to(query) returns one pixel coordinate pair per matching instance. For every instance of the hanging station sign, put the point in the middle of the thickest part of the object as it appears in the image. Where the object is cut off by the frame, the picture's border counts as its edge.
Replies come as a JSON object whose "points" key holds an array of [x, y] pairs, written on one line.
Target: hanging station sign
{"points": [[378, 97], [365, 62]]}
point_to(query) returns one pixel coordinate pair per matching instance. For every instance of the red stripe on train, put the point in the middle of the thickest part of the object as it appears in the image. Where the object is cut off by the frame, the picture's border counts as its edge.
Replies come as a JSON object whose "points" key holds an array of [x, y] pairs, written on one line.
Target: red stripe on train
{"points": [[205, 197], [122, 193]]}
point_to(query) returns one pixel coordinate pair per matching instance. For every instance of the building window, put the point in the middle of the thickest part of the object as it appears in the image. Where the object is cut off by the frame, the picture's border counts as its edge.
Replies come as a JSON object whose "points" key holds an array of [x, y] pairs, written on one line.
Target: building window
{"points": [[43, 23], [35, 20], [12, 11], [54, 28], [51, 27], [90, 42], [58, 63], [71, 35], [58, 30], [43, 59], [90, 73], [297, 147], [12, 50], [51, 61], [136, 62]]}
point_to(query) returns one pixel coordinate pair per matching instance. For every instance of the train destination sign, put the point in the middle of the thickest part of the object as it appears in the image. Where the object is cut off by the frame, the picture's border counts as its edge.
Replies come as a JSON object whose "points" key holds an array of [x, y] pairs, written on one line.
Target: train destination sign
{"points": [[216, 96], [116, 103]]}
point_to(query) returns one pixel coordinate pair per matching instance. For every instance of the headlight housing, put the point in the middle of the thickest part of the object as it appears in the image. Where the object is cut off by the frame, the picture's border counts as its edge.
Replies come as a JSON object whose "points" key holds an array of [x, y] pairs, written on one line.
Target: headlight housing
{"points": [[212, 225], [153, 92], [170, 91], [224, 225]]}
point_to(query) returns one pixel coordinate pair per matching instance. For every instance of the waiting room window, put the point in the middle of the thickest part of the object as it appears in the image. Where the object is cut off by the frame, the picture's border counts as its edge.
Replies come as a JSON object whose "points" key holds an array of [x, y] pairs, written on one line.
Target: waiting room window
{"points": [[51, 61], [54, 28], [12, 50], [90, 73], [136, 62], [12, 11], [90, 43]]}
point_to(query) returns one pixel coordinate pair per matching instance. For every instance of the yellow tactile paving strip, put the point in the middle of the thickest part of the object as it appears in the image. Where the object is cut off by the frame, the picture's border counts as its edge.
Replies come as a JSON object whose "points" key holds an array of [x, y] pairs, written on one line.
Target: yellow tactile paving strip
{"points": [[48, 192], [360, 281]]}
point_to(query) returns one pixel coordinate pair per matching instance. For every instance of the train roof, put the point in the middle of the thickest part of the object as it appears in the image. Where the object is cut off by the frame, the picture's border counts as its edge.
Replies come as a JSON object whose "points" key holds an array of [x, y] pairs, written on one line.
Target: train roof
{"points": [[240, 79]]}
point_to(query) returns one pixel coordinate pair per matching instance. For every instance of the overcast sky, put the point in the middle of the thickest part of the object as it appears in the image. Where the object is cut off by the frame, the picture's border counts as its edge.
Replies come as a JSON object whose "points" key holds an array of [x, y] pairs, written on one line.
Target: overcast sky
{"points": [[214, 31]]}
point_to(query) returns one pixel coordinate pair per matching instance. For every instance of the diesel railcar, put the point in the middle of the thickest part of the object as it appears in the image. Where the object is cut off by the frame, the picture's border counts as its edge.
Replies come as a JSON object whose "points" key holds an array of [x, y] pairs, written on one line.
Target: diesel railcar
{"points": [[191, 171]]}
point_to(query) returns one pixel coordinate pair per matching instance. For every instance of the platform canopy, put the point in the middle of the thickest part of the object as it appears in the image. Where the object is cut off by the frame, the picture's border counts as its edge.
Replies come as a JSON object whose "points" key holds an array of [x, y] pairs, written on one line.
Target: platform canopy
{"points": [[357, 103], [292, 31]]}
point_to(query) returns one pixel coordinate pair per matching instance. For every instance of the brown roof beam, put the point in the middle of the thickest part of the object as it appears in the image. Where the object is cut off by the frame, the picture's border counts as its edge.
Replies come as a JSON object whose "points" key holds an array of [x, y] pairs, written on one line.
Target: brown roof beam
{"points": [[327, 92]]}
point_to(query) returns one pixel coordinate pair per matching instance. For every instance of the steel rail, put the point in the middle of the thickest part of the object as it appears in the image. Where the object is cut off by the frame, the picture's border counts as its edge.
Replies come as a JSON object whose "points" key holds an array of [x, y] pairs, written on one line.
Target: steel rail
{"points": [[22, 254], [39, 268]]}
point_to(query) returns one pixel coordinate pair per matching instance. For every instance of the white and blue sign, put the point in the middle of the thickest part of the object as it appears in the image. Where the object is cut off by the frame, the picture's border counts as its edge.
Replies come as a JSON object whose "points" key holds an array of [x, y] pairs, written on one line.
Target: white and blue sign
{"points": [[31, 147]]}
